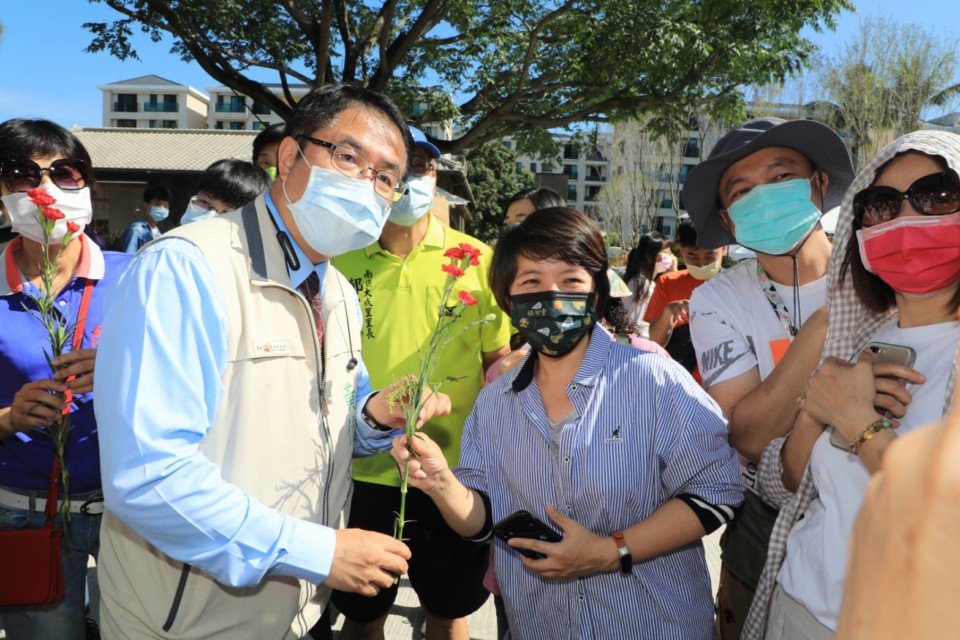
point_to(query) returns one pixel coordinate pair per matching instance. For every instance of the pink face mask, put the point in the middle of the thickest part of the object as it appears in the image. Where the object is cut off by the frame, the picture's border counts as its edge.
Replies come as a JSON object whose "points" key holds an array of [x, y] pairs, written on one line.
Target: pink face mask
{"points": [[915, 254], [664, 263]]}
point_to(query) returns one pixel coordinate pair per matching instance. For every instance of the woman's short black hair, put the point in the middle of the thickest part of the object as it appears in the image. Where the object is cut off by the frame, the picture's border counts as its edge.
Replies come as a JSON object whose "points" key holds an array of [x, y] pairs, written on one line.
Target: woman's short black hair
{"points": [[25, 139], [235, 182], [642, 260], [321, 107], [554, 233], [874, 293]]}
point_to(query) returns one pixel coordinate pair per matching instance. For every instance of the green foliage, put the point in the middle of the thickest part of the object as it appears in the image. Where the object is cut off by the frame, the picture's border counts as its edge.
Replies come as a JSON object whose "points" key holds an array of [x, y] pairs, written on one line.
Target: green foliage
{"points": [[511, 66], [492, 173]]}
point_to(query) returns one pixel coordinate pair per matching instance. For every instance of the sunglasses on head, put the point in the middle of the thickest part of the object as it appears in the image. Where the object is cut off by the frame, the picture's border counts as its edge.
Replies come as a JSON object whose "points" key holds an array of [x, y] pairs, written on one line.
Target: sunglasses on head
{"points": [[22, 175], [934, 195]]}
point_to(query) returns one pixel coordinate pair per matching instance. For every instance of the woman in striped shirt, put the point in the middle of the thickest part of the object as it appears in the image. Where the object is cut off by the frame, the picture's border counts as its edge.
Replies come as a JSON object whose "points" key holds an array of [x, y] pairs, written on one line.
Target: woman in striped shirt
{"points": [[620, 449]]}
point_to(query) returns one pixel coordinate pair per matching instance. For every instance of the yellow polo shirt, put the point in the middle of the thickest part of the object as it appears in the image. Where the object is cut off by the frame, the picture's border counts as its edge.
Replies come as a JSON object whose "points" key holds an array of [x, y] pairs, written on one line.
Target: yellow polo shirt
{"points": [[400, 300]]}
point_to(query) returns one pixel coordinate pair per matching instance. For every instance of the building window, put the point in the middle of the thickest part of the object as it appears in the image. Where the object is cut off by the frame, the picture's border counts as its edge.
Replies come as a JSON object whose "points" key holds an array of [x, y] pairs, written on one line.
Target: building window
{"points": [[570, 170], [684, 170], [594, 153], [153, 124], [219, 125], [508, 144], [258, 125], [533, 167], [667, 202], [572, 192], [571, 152], [237, 126], [595, 174], [169, 124], [126, 103], [518, 167], [127, 124], [260, 109], [591, 194], [231, 104], [692, 149]]}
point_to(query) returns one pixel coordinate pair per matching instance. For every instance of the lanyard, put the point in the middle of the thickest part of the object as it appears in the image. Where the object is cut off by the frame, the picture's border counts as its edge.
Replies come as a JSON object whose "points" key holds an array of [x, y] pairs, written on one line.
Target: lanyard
{"points": [[776, 302]]}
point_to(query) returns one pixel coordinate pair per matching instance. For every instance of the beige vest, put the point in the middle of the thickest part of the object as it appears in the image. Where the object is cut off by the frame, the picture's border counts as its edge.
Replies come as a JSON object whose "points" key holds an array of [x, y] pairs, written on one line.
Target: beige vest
{"points": [[270, 439]]}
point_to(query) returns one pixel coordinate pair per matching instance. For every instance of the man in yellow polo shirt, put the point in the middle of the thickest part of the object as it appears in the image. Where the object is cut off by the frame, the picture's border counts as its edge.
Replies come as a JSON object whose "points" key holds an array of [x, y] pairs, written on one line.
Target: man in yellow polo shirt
{"points": [[399, 281]]}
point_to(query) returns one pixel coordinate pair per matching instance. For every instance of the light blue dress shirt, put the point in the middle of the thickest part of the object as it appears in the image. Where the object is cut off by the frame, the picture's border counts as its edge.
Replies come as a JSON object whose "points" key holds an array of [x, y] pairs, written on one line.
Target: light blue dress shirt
{"points": [[159, 370]]}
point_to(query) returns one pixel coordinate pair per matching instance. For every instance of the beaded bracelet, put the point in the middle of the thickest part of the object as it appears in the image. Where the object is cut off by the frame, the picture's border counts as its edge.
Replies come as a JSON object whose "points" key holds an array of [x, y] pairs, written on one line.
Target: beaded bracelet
{"points": [[872, 429]]}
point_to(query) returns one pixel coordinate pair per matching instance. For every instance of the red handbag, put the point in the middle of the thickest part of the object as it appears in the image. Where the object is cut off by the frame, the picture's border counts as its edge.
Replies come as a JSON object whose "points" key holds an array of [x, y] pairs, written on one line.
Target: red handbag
{"points": [[31, 570]]}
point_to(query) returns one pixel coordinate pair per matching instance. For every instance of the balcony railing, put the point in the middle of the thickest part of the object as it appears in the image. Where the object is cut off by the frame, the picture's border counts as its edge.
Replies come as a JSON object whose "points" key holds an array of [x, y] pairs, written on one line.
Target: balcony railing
{"points": [[230, 107], [164, 107], [125, 107]]}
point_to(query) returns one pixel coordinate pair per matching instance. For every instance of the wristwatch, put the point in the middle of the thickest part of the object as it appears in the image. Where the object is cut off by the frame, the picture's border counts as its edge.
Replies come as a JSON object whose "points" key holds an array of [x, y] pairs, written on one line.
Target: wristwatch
{"points": [[369, 419], [626, 560]]}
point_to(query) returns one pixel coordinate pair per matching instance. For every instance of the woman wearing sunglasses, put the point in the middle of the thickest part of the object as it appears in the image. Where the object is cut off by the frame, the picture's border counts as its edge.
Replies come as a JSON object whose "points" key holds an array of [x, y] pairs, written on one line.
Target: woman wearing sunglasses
{"points": [[39, 153], [894, 287]]}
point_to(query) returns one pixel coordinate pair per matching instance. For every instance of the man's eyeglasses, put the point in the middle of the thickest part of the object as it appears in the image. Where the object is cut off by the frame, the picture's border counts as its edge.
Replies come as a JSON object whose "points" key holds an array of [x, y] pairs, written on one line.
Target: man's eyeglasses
{"points": [[936, 194], [353, 164], [22, 175]]}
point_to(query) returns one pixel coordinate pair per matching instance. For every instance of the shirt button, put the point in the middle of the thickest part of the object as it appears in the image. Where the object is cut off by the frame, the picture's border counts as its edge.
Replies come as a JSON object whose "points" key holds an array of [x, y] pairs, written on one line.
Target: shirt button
{"points": [[63, 303], [581, 597], [567, 459], [568, 508]]}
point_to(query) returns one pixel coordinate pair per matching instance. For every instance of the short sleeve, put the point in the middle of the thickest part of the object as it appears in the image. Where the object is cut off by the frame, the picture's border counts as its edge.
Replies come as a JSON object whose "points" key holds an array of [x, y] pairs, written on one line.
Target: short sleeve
{"points": [[723, 351]]}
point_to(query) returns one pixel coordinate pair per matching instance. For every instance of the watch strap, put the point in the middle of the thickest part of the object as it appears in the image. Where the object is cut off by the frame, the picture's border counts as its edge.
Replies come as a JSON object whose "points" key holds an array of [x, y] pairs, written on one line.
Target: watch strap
{"points": [[626, 558], [369, 419]]}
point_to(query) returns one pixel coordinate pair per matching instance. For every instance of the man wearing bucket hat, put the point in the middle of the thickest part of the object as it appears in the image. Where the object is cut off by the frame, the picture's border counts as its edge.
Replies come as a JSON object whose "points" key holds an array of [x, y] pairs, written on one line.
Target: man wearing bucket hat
{"points": [[400, 276], [764, 186]]}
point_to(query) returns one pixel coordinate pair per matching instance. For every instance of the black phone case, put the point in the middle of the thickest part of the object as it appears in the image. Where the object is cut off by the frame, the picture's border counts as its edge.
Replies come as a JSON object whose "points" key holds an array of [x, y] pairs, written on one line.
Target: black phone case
{"points": [[524, 524]]}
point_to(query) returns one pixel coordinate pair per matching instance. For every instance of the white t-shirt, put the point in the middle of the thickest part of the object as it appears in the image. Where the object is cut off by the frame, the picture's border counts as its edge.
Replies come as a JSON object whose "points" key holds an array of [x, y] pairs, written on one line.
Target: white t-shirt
{"points": [[735, 329], [636, 309], [815, 566]]}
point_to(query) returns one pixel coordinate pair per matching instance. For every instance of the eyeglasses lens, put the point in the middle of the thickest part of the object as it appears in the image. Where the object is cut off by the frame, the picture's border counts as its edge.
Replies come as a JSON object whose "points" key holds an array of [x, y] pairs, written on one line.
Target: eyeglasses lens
{"points": [[24, 175], [935, 194]]}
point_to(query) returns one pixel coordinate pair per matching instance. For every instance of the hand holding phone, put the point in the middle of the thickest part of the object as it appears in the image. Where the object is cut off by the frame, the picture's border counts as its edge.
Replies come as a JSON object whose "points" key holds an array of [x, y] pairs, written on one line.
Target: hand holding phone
{"points": [[523, 524]]}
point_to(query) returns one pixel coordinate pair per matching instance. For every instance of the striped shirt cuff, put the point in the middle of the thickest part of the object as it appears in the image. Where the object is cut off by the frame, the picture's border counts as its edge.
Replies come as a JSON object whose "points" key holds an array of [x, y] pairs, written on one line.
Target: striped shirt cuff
{"points": [[770, 476], [711, 516]]}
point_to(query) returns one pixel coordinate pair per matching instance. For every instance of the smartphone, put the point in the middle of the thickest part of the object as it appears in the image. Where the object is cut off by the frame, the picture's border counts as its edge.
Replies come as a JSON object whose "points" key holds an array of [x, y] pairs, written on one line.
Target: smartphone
{"points": [[524, 524], [884, 352]]}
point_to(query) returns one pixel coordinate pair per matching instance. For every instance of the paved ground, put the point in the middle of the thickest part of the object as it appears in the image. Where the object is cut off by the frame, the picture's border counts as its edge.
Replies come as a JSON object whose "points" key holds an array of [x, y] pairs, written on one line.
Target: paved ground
{"points": [[405, 617]]}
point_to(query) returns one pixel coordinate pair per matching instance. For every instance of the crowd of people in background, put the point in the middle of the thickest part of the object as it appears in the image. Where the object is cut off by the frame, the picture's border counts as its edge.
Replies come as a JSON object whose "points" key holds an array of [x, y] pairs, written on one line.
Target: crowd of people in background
{"points": [[234, 463]]}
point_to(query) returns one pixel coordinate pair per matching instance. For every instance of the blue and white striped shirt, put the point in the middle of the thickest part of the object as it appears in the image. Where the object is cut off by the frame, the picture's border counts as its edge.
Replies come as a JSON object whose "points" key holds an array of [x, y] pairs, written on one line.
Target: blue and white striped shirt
{"points": [[646, 433]]}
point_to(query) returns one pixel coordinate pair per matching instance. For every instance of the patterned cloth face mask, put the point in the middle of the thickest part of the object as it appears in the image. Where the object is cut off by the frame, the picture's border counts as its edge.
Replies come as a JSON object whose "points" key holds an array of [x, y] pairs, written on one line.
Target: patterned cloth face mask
{"points": [[553, 322]]}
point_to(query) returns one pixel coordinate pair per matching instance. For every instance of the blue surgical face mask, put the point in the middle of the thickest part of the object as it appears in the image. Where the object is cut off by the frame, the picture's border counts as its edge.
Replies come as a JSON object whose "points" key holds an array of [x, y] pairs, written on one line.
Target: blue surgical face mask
{"points": [[775, 218], [337, 214], [159, 214], [415, 203], [195, 212]]}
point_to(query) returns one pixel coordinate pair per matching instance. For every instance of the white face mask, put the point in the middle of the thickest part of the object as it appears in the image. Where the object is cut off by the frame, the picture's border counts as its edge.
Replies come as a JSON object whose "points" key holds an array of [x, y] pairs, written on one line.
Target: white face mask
{"points": [[664, 263], [159, 214], [75, 205], [195, 212], [337, 214], [706, 272], [415, 203]]}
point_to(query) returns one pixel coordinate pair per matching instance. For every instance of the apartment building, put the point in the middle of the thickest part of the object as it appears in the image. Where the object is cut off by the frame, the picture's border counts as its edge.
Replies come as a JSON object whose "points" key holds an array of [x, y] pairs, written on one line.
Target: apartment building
{"points": [[585, 164], [234, 111], [152, 102]]}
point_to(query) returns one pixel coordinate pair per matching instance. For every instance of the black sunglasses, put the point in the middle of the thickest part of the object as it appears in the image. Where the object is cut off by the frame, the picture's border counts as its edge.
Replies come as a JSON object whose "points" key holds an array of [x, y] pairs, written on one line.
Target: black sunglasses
{"points": [[22, 175], [934, 195]]}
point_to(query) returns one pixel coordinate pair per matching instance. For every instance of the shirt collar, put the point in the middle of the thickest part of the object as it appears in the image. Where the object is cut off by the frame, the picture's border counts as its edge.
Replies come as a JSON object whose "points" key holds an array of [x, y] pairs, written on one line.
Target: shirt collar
{"points": [[92, 264], [434, 237], [590, 367], [296, 276]]}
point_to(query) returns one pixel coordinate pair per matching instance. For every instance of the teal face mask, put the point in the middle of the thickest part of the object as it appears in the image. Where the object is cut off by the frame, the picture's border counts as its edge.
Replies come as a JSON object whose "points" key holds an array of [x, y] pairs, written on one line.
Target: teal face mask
{"points": [[553, 322], [775, 218], [415, 203]]}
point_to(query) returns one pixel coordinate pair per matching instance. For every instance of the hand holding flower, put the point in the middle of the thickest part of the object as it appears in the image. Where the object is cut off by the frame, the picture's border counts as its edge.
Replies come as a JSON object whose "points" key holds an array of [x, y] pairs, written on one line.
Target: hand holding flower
{"points": [[393, 413], [428, 466], [76, 369], [34, 405]]}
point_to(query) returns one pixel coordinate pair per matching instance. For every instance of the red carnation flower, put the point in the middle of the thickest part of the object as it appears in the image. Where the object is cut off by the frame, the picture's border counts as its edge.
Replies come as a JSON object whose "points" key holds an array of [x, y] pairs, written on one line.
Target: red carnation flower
{"points": [[40, 197], [453, 270], [470, 250], [72, 227], [454, 252], [53, 214], [466, 298]]}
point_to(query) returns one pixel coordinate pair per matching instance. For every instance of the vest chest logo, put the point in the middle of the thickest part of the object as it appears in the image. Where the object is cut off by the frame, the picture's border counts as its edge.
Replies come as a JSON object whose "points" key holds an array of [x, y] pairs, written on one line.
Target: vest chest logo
{"points": [[270, 348]]}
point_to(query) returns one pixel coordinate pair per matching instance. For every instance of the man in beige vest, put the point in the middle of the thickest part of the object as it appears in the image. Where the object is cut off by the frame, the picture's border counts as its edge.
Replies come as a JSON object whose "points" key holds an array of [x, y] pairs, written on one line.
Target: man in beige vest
{"points": [[232, 396]]}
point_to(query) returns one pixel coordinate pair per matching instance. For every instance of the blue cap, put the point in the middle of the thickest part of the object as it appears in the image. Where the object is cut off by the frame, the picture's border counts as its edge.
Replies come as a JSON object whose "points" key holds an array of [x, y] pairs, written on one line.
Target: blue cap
{"points": [[420, 140]]}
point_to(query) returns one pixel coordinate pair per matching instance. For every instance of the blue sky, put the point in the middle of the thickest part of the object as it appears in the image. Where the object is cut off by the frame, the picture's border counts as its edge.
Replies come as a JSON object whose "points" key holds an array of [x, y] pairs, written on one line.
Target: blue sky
{"points": [[46, 73]]}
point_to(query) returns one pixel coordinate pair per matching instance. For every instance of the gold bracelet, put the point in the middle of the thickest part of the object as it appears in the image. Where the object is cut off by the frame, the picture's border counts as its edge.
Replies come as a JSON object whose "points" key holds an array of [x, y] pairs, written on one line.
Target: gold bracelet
{"points": [[872, 429]]}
